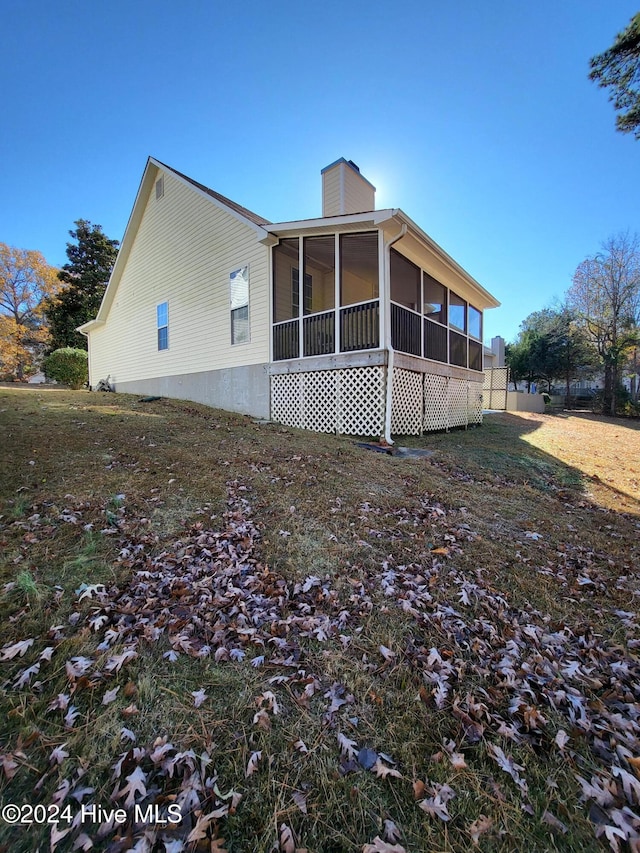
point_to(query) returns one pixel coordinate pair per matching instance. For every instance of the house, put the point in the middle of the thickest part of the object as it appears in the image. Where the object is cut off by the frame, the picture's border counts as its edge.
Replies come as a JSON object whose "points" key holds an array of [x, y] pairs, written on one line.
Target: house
{"points": [[354, 322]]}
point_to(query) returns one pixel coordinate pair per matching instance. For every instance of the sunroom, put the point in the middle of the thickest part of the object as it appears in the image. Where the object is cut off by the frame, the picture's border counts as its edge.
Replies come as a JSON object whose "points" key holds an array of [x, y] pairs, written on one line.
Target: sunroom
{"points": [[375, 329]]}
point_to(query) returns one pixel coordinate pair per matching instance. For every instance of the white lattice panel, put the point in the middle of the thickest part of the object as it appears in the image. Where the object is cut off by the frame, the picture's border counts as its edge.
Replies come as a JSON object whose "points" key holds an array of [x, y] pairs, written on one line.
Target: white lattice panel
{"points": [[407, 402], [320, 400], [435, 402], [496, 383], [361, 400], [457, 402], [350, 401], [286, 399], [474, 403]]}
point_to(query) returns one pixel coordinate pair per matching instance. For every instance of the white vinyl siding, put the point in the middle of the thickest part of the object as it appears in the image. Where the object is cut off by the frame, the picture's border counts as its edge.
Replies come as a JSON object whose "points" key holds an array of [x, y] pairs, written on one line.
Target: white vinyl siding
{"points": [[183, 252], [331, 194]]}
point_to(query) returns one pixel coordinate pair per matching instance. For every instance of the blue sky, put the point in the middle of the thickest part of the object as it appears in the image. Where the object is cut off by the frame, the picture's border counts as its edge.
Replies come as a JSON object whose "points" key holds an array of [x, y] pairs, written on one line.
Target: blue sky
{"points": [[477, 119]]}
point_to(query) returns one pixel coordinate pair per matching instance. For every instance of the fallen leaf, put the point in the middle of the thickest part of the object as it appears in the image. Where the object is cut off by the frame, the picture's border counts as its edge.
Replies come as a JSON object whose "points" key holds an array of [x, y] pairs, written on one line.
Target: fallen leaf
{"points": [[382, 771], [10, 652], [59, 754], [9, 766], [554, 823], [199, 696], [110, 696], [380, 846], [300, 800], [348, 747], [252, 764], [287, 843], [391, 831], [479, 827], [136, 784]]}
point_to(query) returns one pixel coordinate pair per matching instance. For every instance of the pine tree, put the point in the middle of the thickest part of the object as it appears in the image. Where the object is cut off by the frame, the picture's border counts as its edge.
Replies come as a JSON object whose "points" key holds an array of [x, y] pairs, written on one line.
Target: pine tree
{"points": [[91, 259], [618, 69]]}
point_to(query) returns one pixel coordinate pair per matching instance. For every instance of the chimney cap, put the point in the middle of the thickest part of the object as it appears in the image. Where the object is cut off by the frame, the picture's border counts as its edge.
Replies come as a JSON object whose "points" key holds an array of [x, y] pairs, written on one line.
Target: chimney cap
{"points": [[351, 165]]}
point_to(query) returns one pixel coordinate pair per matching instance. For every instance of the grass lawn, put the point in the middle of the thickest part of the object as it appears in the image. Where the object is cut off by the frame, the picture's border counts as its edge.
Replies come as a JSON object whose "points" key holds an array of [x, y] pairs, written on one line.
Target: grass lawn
{"points": [[224, 635]]}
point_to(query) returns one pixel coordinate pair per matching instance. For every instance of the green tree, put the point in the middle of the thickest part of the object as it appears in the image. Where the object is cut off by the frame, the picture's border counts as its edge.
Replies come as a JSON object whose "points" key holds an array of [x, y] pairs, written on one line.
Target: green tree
{"points": [[605, 296], [618, 68], [91, 259], [551, 346]]}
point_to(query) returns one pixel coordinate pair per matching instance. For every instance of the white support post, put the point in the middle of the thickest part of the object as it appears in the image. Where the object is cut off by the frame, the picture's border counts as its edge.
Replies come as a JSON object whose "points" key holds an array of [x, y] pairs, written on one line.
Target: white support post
{"points": [[336, 298], [384, 249], [300, 296]]}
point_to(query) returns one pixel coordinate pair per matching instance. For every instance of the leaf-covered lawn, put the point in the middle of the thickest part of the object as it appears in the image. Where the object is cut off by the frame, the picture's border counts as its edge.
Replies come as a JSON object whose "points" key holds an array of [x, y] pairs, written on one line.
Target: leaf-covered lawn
{"points": [[223, 635]]}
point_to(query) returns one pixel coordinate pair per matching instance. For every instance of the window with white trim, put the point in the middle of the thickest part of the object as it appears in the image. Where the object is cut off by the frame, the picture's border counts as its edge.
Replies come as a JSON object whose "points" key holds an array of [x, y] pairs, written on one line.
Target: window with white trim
{"points": [[162, 324], [239, 294]]}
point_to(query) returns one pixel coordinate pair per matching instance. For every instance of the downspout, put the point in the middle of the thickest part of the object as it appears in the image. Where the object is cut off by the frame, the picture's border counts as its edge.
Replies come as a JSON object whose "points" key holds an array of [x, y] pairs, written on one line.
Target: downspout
{"points": [[387, 331]]}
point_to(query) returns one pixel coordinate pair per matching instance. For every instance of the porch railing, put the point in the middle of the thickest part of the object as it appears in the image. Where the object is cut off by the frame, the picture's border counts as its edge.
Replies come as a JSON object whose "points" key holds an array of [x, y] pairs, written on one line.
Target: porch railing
{"points": [[360, 326], [286, 340], [435, 340], [318, 332], [406, 327], [360, 329]]}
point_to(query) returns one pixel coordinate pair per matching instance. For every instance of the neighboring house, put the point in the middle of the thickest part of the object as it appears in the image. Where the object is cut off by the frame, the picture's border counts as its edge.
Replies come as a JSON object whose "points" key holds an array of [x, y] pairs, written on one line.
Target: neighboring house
{"points": [[380, 334], [494, 355]]}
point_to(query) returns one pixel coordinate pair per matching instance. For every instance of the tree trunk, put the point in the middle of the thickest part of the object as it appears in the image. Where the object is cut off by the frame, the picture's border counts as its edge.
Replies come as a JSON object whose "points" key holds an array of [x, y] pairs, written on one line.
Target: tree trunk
{"points": [[609, 400]]}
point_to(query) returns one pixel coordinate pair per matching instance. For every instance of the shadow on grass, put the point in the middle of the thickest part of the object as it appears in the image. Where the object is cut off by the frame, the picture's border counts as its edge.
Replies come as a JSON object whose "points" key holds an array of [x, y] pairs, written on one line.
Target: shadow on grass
{"points": [[549, 453]]}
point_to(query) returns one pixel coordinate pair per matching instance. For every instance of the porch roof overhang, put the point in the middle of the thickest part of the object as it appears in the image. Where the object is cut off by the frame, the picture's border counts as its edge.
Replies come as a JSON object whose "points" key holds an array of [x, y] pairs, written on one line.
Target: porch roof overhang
{"points": [[322, 224], [415, 243]]}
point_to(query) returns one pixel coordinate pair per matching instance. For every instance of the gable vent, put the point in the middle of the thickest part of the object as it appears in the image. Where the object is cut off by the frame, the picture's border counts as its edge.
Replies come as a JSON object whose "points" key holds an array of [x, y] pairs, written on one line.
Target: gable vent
{"points": [[159, 188]]}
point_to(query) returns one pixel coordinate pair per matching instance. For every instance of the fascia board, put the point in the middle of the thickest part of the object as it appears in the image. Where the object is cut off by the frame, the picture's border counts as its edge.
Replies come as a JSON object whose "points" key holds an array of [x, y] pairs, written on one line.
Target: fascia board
{"points": [[440, 253], [148, 179], [259, 230], [366, 218]]}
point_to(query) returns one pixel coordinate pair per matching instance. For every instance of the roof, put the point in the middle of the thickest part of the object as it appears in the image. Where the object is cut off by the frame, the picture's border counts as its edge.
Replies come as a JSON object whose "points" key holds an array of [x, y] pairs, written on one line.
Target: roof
{"points": [[268, 229], [243, 211]]}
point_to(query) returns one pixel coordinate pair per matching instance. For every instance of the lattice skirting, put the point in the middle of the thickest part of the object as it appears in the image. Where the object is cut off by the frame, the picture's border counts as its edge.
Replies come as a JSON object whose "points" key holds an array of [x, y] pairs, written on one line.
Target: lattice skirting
{"points": [[496, 384], [450, 402], [352, 401], [407, 403], [349, 401]]}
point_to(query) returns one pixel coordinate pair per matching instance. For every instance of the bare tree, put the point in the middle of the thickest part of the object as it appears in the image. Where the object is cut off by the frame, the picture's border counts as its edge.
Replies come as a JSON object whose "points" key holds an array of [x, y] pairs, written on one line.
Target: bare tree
{"points": [[605, 295]]}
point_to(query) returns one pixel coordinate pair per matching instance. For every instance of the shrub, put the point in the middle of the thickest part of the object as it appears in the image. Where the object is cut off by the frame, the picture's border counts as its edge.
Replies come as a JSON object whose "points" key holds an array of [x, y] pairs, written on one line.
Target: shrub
{"points": [[68, 366]]}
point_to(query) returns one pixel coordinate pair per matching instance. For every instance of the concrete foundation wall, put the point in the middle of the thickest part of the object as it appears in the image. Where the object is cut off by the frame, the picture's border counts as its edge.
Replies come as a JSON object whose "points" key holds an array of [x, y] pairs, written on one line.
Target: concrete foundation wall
{"points": [[520, 401], [237, 389]]}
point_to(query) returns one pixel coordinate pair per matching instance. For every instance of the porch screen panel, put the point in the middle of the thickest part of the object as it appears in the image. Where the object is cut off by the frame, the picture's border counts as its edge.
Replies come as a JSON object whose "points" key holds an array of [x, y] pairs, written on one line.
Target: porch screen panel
{"points": [[457, 349], [457, 312], [319, 273], [435, 341], [475, 355], [285, 272], [435, 299], [358, 267], [405, 282], [475, 322]]}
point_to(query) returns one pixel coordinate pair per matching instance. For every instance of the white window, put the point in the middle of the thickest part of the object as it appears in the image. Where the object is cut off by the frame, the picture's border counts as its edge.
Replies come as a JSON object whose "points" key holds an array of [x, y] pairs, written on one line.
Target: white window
{"points": [[239, 293], [162, 323]]}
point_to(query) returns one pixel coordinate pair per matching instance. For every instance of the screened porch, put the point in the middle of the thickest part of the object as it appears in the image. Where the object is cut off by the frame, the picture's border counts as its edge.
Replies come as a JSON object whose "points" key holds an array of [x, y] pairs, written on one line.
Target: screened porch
{"points": [[321, 313]]}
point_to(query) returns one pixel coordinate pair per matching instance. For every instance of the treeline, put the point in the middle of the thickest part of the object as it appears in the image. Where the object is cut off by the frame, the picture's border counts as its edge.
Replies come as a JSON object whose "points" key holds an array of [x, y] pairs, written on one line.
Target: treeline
{"points": [[41, 306], [594, 332]]}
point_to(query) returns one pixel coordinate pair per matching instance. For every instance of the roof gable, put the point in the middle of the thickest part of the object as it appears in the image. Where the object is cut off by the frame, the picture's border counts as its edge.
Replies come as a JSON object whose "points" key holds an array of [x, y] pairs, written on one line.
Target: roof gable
{"points": [[150, 175], [227, 202]]}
